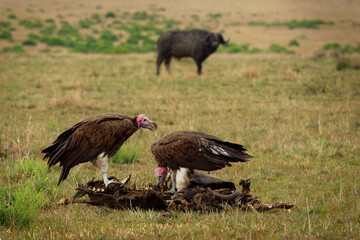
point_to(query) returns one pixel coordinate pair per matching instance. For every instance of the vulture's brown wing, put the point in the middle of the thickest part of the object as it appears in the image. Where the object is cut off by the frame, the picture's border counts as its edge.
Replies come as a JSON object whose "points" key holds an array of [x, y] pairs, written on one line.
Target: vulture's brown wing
{"points": [[104, 133], [196, 150]]}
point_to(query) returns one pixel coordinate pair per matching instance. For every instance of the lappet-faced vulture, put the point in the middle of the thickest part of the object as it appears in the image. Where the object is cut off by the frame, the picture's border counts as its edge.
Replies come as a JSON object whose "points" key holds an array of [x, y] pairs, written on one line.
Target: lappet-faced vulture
{"points": [[94, 139], [185, 151]]}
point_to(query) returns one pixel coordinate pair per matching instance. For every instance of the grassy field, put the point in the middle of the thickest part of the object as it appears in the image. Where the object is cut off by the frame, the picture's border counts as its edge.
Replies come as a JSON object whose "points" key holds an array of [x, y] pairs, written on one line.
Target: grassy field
{"points": [[299, 116]]}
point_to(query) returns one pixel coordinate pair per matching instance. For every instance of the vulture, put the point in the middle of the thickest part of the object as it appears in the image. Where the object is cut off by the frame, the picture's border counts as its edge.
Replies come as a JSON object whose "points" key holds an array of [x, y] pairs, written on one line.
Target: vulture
{"points": [[185, 151], [94, 139]]}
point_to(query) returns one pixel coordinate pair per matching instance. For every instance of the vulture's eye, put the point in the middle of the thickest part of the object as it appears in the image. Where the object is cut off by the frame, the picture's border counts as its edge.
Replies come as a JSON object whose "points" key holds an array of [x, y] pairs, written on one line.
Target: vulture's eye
{"points": [[144, 120]]}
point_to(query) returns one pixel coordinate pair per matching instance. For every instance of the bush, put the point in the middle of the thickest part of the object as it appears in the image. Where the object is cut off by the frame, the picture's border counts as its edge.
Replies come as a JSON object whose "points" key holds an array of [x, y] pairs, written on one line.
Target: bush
{"points": [[31, 24], [5, 35], [5, 24], [85, 23], [140, 15], [12, 16], [329, 46], [126, 155], [29, 42], [33, 36], [49, 20], [15, 49], [68, 30], [110, 15], [96, 17], [48, 30], [215, 15], [294, 43], [275, 48], [108, 35]]}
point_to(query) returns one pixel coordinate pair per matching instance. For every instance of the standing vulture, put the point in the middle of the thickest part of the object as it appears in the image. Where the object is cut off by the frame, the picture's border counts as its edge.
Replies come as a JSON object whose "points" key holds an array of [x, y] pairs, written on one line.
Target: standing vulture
{"points": [[184, 151], [94, 139]]}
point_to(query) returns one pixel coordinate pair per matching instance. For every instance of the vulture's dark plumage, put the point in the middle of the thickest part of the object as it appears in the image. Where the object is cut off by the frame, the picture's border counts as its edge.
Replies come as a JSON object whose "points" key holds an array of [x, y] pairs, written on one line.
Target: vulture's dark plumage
{"points": [[189, 150], [94, 139]]}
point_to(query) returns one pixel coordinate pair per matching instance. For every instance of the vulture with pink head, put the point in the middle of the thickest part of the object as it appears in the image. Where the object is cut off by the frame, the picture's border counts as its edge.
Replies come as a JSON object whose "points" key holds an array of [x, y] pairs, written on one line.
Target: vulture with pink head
{"points": [[94, 139], [185, 151]]}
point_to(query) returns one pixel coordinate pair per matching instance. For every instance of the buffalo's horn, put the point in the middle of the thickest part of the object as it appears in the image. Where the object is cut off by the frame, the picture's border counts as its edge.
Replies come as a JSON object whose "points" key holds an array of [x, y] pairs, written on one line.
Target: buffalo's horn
{"points": [[232, 196], [226, 42]]}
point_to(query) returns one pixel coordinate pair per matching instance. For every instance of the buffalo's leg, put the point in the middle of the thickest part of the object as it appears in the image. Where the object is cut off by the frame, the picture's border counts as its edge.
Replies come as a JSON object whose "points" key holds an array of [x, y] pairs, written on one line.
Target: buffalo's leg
{"points": [[159, 60], [198, 63], [167, 63]]}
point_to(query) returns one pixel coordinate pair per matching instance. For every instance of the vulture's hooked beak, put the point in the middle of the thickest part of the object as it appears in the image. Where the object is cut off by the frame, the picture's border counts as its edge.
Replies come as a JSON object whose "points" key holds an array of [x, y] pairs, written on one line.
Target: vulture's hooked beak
{"points": [[152, 126]]}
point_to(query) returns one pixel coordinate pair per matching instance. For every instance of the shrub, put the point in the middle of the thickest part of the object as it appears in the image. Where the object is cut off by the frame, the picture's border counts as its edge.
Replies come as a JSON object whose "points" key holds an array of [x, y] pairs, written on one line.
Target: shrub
{"points": [[126, 155], [85, 23], [15, 49], [29, 42], [108, 35], [215, 15], [5, 24], [48, 30], [5, 35], [31, 24], [140, 15], [68, 30], [329, 46], [12, 16], [96, 17], [294, 43], [275, 48], [49, 20], [33, 36], [110, 15]]}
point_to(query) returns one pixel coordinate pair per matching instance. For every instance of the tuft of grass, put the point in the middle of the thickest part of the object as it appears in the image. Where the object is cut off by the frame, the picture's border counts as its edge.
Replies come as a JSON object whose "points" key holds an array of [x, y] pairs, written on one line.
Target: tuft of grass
{"points": [[50, 20], [14, 49], [31, 24], [126, 155], [292, 24], [276, 48]]}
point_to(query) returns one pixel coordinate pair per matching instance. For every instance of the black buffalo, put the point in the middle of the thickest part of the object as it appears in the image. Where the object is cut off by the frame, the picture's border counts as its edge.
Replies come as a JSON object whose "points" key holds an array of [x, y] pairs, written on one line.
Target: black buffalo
{"points": [[197, 44]]}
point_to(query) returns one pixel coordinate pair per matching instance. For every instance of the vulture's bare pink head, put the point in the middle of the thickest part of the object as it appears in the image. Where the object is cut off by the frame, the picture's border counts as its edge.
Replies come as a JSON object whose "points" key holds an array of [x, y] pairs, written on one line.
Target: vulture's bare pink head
{"points": [[144, 122], [160, 174]]}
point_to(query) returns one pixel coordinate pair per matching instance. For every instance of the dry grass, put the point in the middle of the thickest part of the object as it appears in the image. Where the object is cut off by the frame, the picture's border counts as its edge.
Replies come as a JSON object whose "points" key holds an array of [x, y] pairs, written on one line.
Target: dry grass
{"points": [[299, 117]]}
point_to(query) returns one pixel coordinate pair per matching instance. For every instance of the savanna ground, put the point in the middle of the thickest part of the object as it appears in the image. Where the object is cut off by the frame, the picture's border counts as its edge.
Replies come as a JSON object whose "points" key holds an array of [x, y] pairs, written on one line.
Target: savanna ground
{"points": [[296, 113]]}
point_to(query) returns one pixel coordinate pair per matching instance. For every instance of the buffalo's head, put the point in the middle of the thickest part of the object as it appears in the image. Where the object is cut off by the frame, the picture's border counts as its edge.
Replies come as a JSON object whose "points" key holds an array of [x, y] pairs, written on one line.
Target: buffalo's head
{"points": [[214, 39]]}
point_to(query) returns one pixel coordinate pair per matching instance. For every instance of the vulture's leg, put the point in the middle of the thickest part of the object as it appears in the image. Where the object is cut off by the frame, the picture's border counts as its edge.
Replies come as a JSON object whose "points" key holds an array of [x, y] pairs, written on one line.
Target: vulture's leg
{"points": [[173, 181], [101, 162]]}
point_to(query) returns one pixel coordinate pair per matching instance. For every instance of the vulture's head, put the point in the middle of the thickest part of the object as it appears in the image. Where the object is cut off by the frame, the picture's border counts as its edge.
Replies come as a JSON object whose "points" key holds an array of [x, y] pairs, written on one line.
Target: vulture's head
{"points": [[160, 174], [144, 122]]}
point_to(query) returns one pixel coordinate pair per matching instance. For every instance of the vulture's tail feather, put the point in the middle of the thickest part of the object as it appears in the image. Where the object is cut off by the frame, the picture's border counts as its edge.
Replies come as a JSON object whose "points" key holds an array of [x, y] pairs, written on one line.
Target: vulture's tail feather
{"points": [[233, 152]]}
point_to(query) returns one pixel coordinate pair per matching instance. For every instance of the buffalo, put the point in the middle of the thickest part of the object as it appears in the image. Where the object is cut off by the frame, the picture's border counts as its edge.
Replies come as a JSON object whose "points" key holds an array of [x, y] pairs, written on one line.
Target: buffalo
{"points": [[197, 44]]}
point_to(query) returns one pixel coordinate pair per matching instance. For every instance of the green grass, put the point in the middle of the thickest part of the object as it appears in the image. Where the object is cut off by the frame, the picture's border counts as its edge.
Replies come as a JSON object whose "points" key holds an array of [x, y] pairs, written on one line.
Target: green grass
{"points": [[126, 155], [314, 24], [299, 117]]}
